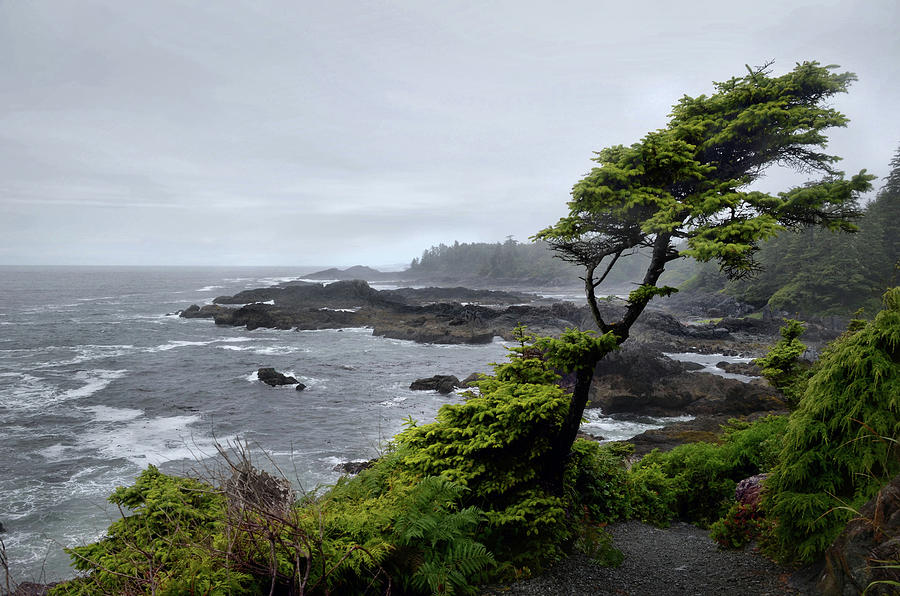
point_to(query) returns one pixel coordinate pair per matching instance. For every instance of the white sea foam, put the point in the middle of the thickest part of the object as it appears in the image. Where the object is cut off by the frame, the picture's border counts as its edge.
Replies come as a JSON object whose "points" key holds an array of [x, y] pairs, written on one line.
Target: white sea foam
{"points": [[178, 344], [614, 429], [253, 377], [55, 452], [86, 353], [28, 392], [274, 281], [94, 381], [108, 414], [209, 288], [709, 361], [151, 441], [266, 350], [393, 402]]}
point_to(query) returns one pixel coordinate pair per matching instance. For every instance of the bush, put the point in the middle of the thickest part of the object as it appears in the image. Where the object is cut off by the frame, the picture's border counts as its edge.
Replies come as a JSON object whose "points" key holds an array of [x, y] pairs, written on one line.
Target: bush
{"points": [[696, 481], [840, 445]]}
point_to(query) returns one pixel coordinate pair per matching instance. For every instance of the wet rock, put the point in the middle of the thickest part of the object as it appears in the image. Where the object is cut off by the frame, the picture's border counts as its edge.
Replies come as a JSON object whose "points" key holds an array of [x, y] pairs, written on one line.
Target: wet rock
{"points": [[208, 311], [2, 529], [467, 382], [353, 467], [706, 428], [740, 368], [443, 384], [638, 380], [273, 378], [857, 558], [300, 387]]}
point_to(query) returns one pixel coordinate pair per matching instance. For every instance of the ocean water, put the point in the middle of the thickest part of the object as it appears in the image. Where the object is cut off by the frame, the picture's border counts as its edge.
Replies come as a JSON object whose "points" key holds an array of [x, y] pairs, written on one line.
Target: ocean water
{"points": [[99, 378]]}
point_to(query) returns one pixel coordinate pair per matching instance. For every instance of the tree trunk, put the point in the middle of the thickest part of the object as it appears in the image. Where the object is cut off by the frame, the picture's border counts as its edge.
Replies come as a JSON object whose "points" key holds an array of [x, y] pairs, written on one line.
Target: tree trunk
{"points": [[558, 456]]}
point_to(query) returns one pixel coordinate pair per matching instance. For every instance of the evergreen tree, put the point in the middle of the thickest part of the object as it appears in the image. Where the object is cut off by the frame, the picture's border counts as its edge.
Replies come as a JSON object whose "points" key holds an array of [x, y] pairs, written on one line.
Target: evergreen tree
{"points": [[684, 191]]}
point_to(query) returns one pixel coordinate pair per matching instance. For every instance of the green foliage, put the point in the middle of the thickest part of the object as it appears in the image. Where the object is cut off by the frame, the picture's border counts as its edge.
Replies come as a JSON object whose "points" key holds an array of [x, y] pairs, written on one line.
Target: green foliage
{"points": [[164, 547], [840, 444], [696, 481], [653, 494], [814, 271], [645, 293], [575, 350], [430, 523], [596, 482], [782, 365], [493, 444], [690, 180]]}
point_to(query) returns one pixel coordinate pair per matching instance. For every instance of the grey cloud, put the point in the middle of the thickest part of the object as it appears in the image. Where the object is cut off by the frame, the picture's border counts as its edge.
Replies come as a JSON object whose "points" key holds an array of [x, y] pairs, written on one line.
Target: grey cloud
{"points": [[157, 133]]}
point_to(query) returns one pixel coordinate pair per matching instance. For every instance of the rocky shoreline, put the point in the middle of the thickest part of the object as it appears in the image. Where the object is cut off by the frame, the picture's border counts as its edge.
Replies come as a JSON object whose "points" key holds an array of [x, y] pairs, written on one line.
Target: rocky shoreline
{"points": [[640, 380]]}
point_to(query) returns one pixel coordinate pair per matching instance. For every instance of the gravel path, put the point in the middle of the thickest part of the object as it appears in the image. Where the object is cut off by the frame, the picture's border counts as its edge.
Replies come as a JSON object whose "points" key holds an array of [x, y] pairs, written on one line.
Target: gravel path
{"points": [[679, 560]]}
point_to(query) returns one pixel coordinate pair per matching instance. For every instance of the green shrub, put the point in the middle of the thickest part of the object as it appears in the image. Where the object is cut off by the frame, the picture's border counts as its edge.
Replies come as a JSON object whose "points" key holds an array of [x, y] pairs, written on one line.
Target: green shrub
{"points": [[840, 443], [653, 494], [696, 481], [166, 546], [782, 365]]}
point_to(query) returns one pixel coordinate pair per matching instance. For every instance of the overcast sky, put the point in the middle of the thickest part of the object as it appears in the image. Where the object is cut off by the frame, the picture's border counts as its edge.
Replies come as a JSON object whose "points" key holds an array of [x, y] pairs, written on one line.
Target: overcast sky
{"points": [[171, 132]]}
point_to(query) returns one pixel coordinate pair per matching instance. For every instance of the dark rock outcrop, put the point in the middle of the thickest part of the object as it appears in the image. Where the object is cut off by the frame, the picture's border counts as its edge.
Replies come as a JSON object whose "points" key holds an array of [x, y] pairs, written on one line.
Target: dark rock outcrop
{"points": [[300, 387], [704, 428], [273, 378], [467, 382], [353, 467], [864, 551], [741, 368], [443, 384], [640, 381]]}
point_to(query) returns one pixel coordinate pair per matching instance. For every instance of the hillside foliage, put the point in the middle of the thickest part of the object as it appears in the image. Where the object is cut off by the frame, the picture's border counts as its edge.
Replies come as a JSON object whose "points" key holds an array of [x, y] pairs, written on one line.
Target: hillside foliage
{"points": [[814, 271]]}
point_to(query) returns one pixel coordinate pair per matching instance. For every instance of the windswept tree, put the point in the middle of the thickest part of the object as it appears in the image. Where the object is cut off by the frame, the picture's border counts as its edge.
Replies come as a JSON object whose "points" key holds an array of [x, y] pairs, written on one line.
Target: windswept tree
{"points": [[686, 190]]}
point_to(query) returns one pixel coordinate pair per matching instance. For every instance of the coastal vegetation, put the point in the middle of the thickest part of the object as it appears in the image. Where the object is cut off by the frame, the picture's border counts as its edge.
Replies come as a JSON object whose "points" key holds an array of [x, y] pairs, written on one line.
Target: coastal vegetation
{"points": [[499, 486]]}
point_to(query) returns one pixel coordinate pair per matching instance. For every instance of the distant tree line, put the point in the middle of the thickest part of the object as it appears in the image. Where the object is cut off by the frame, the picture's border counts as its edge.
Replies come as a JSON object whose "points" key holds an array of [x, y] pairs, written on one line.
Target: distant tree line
{"points": [[815, 271], [508, 261]]}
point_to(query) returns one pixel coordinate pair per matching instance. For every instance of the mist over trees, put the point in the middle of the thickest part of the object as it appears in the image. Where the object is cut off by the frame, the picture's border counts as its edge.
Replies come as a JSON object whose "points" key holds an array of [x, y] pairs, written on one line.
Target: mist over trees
{"points": [[511, 262]]}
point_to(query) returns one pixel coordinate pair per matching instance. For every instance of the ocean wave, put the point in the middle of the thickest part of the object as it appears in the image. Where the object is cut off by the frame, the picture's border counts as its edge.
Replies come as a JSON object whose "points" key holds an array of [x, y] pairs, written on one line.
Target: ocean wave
{"points": [[617, 429], [152, 440], [178, 344], [34, 393], [394, 402], [274, 281], [209, 288], [110, 414], [267, 350]]}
